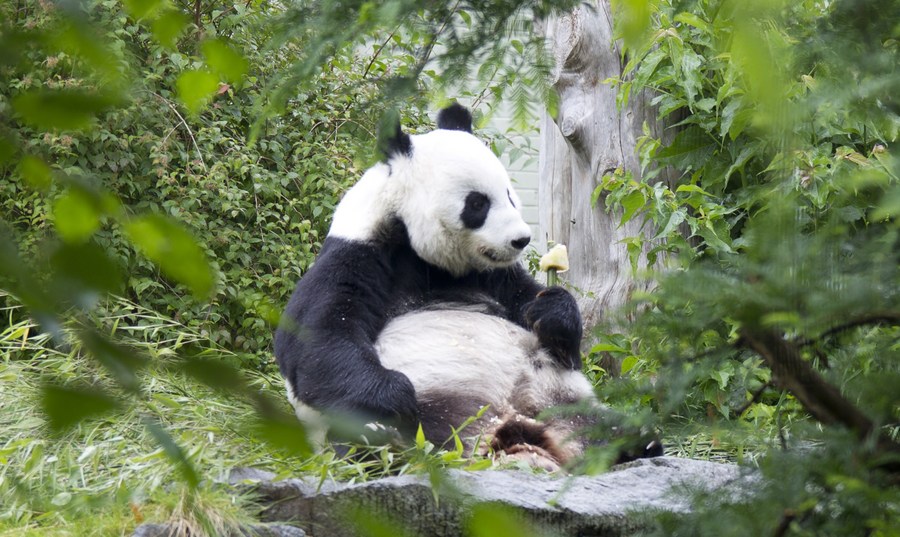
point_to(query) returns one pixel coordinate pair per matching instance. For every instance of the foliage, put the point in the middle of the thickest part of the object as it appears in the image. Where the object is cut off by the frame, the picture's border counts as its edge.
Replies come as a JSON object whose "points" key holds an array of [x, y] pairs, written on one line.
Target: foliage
{"points": [[107, 472], [186, 156], [155, 153], [453, 44], [775, 321]]}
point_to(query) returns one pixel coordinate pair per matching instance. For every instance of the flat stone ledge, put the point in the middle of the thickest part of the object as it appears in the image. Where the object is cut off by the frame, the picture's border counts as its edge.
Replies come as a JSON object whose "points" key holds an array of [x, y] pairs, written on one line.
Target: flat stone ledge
{"points": [[605, 505], [274, 530]]}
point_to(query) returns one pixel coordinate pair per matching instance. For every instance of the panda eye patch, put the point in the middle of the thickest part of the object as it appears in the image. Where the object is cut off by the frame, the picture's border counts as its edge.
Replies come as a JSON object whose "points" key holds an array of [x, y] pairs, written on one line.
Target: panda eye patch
{"points": [[475, 210]]}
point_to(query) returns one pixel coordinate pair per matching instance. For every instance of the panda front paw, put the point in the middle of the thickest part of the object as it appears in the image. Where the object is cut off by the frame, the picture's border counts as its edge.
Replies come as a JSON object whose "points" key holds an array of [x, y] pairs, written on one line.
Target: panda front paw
{"points": [[554, 317], [396, 403]]}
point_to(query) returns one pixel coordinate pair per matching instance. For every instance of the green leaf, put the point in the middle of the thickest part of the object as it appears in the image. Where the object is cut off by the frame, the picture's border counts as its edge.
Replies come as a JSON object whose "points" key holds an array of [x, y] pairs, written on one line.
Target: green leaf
{"points": [[420, 437], [781, 319], [735, 118], [693, 20], [721, 377], [633, 20], [635, 248], [84, 267], [174, 452], [35, 172], [140, 9], [675, 219], [168, 26], [628, 364], [688, 151], [62, 109], [284, 432], [888, 206], [708, 232], [691, 74], [176, 252], [595, 195], [79, 39], [76, 215], [608, 347], [66, 406], [693, 189], [631, 204], [122, 362], [224, 60], [705, 104], [215, 373], [492, 520], [196, 88], [7, 148]]}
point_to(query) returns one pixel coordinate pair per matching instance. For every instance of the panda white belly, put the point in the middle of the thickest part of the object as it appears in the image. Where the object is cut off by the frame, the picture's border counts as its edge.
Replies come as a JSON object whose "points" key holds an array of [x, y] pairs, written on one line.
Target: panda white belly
{"points": [[482, 356], [459, 361]]}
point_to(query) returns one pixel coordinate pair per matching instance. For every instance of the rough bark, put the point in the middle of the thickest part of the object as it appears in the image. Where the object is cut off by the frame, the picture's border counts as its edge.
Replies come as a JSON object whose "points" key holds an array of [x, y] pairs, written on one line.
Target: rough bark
{"points": [[589, 138]]}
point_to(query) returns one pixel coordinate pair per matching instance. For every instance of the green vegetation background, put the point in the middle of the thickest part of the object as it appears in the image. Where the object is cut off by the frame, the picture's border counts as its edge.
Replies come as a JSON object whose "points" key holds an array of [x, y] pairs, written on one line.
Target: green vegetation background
{"points": [[168, 170]]}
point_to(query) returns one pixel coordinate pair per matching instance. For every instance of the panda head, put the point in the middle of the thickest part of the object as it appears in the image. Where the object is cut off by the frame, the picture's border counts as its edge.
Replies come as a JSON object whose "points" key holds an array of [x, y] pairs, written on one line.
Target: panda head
{"points": [[454, 196]]}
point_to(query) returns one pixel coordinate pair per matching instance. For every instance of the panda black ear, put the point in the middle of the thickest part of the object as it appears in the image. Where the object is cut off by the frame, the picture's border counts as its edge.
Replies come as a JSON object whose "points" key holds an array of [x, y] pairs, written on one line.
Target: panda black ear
{"points": [[391, 138], [455, 118]]}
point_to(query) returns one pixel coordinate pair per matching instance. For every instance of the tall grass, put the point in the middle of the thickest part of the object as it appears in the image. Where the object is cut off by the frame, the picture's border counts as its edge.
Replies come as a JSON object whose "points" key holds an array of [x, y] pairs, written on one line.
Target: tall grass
{"points": [[106, 475]]}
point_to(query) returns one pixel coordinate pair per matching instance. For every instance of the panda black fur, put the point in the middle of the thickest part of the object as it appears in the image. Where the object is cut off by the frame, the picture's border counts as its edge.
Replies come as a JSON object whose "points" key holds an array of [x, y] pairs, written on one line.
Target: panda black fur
{"points": [[417, 309]]}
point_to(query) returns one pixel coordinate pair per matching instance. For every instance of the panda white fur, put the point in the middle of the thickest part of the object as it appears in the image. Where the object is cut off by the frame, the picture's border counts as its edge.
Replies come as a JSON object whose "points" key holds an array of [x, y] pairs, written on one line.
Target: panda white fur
{"points": [[417, 309]]}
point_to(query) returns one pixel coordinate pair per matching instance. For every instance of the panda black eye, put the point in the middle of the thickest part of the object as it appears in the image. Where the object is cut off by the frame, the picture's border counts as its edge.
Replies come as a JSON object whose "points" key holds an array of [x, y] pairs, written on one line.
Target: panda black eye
{"points": [[476, 202], [475, 210]]}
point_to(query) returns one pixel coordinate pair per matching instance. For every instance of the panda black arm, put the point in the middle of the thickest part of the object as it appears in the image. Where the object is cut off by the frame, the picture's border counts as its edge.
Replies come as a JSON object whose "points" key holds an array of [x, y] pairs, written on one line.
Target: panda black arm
{"points": [[324, 344], [551, 313]]}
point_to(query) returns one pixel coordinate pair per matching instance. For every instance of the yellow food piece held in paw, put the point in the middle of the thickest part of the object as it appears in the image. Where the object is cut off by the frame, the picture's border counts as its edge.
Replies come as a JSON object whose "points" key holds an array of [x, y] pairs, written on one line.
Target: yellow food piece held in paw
{"points": [[557, 259]]}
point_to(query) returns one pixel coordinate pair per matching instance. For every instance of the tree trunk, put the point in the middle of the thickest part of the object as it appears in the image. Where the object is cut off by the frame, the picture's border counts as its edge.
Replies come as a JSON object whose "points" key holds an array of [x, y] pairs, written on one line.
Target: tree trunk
{"points": [[589, 138]]}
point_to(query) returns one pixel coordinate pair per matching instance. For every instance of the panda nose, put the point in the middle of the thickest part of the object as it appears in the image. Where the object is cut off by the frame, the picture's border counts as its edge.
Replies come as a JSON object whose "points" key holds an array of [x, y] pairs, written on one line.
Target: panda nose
{"points": [[521, 242]]}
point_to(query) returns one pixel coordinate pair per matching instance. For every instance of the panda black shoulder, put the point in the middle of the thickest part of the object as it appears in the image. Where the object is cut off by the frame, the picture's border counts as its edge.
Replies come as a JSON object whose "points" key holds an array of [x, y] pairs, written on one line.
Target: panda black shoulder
{"points": [[392, 141], [455, 118]]}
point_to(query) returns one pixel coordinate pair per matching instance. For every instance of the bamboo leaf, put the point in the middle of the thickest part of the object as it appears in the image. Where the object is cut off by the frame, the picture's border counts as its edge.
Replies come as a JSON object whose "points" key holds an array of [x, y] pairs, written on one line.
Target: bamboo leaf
{"points": [[224, 60], [76, 215], [174, 452], [66, 406], [61, 109], [196, 88], [176, 252]]}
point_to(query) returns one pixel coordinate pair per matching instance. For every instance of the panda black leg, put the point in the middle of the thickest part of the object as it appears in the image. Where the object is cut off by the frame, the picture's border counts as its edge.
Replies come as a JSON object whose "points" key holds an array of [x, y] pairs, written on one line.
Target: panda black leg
{"points": [[521, 435], [554, 317], [643, 450]]}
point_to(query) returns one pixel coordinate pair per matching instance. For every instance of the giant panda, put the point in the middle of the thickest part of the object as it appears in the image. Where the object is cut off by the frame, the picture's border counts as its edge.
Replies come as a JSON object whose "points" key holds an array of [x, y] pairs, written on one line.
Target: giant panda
{"points": [[419, 311]]}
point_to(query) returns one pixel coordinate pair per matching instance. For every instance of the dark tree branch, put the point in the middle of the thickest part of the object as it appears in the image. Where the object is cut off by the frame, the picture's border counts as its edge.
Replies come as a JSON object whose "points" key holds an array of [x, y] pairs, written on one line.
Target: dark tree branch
{"points": [[877, 317], [197, 11], [378, 52], [785, 523], [753, 399], [822, 400], [793, 373]]}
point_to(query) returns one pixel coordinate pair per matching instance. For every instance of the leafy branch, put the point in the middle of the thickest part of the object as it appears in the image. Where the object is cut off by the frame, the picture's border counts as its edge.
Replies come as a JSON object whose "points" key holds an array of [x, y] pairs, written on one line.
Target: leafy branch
{"points": [[822, 400]]}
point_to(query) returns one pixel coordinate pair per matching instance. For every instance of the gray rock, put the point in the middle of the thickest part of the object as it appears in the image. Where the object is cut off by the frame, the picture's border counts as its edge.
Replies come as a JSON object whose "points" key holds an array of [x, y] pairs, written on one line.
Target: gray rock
{"points": [[607, 505], [273, 530]]}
